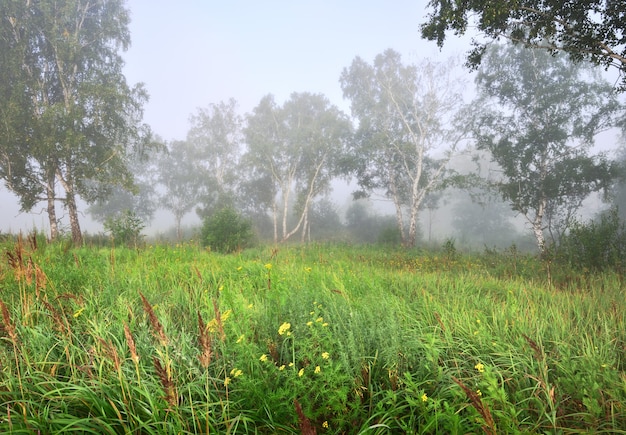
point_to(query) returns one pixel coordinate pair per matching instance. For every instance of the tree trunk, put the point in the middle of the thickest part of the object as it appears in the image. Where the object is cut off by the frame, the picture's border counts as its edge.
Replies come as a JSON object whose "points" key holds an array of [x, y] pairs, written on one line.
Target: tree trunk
{"points": [[275, 219], [70, 202], [537, 225], [179, 233], [52, 212]]}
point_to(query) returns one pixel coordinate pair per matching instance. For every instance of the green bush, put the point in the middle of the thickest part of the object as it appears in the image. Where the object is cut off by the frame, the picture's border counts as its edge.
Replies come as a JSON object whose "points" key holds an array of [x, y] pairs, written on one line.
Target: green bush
{"points": [[390, 235], [125, 228], [597, 245], [227, 231]]}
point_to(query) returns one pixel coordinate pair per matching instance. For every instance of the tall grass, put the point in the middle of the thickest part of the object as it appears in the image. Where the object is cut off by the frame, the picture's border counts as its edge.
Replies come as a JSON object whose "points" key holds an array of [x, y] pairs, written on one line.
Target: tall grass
{"points": [[307, 339]]}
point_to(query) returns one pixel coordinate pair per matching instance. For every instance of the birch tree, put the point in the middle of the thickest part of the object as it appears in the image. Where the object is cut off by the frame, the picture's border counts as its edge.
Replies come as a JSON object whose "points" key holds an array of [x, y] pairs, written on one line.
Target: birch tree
{"points": [[409, 128], [297, 146], [72, 117], [216, 134], [538, 116]]}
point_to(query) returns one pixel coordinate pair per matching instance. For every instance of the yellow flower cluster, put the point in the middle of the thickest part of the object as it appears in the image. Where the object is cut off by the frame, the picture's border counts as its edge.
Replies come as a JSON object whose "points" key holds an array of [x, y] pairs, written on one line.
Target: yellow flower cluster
{"points": [[284, 329], [480, 367]]}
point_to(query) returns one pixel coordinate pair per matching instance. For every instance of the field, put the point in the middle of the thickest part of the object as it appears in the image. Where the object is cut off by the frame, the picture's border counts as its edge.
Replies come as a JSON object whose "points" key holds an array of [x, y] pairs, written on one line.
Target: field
{"points": [[305, 339]]}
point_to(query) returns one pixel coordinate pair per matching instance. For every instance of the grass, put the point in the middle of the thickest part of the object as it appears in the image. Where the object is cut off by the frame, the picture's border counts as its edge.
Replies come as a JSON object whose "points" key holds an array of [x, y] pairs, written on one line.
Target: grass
{"points": [[305, 339]]}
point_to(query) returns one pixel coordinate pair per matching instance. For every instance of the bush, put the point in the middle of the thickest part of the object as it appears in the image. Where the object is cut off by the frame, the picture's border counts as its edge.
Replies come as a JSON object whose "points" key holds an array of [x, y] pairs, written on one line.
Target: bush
{"points": [[227, 231], [597, 245], [125, 228]]}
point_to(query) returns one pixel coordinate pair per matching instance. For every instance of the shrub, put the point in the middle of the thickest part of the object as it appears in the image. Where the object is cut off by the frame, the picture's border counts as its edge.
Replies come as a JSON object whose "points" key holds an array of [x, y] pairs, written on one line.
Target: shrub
{"points": [[597, 245], [125, 228], [227, 231]]}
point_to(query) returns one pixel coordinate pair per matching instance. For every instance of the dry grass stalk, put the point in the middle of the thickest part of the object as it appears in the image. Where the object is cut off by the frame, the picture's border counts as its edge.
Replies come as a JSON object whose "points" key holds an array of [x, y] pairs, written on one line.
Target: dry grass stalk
{"points": [[535, 347], [157, 328], [131, 344], [41, 280], [32, 240], [60, 322], [218, 320], [204, 339], [306, 428], [441, 325], [490, 426], [111, 353], [7, 324], [165, 376]]}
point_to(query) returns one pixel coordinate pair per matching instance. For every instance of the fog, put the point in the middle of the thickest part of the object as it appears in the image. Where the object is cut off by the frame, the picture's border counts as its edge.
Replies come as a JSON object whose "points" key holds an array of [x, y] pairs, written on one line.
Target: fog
{"points": [[194, 53]]}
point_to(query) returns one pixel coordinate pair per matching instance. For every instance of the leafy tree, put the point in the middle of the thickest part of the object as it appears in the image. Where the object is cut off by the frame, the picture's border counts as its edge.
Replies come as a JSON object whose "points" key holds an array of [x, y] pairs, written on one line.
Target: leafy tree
{"points": [[70, 116], [539, 115], [125, 227], [324, 221], [407, 116], [142, 198], [293, 152], [593, 30], [216, 134], [487, 223], [181, 178]]}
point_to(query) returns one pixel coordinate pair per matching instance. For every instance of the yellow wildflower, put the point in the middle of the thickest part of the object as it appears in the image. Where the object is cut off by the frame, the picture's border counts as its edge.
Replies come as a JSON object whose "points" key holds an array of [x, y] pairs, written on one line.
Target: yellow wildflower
{"points": [[325, 355], [301, 372], [317, 369], [319, 319], [268, 266], [325, 425], [226, 381], [479, 393], [281, 368], [480, 367], [236, 372], [424, 397], [263, 358], [78, 312], [241, 338], [309, 323], [240, 267], [284, 329]]}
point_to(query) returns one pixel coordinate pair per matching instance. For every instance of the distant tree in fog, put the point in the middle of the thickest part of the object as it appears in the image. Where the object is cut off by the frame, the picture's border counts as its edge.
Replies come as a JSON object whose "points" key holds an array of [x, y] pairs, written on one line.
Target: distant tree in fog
{"points": [[293, 152], [68, 116], [216, 134], [485, 223], [181, 180], [410, 124], [141, 198], [537, 115]]}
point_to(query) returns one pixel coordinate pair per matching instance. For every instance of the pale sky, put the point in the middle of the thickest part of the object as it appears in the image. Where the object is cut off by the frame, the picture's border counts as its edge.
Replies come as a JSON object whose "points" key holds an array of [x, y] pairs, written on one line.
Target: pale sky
{"points": [[191, 53]]}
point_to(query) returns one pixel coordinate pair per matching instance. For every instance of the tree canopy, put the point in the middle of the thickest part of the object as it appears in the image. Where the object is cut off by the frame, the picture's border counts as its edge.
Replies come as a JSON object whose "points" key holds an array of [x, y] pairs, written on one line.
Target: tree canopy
{"points": [[69, 117], [408, 129], [538, 116], [594, 30]]}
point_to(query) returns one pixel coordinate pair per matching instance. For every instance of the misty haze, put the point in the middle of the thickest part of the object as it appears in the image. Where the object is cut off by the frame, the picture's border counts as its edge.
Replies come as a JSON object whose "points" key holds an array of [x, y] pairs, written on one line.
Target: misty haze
{"points": [[312, 217]]}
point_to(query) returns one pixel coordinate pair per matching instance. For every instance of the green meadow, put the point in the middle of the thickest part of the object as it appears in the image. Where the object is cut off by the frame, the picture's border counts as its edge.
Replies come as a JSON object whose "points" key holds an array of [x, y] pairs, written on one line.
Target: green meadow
{"points": [[322, 338]]}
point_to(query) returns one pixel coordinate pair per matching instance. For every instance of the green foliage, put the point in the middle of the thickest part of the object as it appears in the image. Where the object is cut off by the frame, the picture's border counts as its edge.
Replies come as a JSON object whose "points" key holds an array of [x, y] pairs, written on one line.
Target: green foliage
{"points": [[72, 118], [538, 117], [390, 235], [597, 245], [591, 30], [408, 129], [125, 228], [227, 231]]}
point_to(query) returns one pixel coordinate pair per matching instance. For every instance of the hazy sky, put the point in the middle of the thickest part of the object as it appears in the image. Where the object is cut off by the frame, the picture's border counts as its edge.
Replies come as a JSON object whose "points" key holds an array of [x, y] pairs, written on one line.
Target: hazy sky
{"points": [[191, 53]]}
